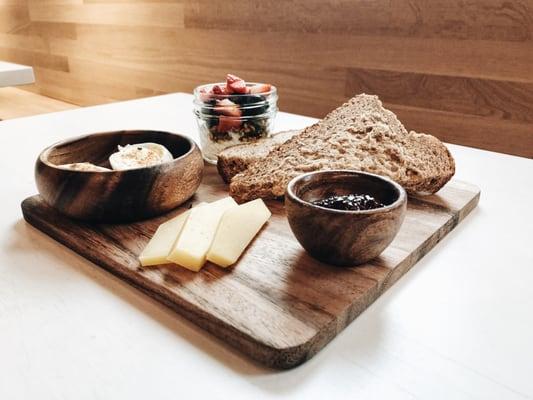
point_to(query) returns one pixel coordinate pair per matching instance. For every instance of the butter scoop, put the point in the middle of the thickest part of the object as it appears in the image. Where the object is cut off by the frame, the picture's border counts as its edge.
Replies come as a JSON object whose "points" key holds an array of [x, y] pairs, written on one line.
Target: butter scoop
{"points": [[139, 155]]}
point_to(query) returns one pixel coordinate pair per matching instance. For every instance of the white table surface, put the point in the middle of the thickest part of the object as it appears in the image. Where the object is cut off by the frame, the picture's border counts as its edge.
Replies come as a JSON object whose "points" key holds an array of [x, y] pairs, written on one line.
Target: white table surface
{"points": [[15, 74], [459, 325]]}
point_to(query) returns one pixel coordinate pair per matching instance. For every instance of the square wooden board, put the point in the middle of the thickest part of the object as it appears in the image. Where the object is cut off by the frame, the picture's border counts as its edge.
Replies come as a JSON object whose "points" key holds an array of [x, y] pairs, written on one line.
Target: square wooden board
{"points": [[277, 304]]}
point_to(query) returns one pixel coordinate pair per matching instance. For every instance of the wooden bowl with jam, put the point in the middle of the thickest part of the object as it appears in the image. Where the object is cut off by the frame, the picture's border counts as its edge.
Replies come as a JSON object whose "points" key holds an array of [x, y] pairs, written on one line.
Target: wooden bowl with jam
{"points": [[344, 217], [101, 194]]}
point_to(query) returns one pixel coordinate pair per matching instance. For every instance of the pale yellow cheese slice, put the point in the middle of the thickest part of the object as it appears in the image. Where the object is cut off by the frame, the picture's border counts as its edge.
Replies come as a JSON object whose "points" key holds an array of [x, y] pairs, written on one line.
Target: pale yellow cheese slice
{"points": [[191, 247], [158, 248], [237, 228]]}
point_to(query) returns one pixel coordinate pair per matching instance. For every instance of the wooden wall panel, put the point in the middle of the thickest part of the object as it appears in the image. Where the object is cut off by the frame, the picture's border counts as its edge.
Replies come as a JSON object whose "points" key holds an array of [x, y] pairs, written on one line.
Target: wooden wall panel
{"points": [[13, 13], [125, 13], [451, 19], [472, 96], [458, 69]]}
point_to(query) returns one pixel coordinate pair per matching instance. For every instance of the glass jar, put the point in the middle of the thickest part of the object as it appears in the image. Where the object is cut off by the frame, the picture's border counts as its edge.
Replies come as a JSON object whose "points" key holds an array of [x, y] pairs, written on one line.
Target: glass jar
{"points": [[225, 120]]}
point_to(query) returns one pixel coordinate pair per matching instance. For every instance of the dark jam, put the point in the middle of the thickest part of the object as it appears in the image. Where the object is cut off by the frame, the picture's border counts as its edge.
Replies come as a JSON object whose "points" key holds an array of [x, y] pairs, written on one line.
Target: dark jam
{"points": [[349, 202]]}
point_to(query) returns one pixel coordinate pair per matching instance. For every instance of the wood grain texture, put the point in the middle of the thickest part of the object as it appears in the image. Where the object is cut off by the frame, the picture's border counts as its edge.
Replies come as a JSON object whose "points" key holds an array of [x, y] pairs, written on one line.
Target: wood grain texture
{"points": [[118, 195], [468, 58], [16, 103], [344, 238], [278, 305]]}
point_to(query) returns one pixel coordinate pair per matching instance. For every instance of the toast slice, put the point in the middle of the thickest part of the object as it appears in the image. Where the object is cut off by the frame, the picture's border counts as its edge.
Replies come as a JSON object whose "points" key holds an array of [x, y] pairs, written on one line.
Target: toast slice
{"points": [[236, 159], [360, 135]]}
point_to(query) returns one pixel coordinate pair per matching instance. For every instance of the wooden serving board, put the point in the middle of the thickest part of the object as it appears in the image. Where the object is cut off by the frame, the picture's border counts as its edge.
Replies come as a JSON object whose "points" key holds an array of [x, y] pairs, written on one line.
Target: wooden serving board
{"points": [[277, 304]]}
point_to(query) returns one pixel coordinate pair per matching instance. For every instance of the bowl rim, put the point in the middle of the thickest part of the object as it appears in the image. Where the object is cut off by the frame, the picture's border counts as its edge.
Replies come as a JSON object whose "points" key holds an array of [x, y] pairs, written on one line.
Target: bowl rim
{"points": [[272, 92], [269, 114], [48, 149], [402, 195]]}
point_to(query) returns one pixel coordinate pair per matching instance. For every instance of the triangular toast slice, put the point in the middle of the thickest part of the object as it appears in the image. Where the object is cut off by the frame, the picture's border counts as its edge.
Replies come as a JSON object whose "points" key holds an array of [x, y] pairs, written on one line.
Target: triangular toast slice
{"points": [[359, 135]]}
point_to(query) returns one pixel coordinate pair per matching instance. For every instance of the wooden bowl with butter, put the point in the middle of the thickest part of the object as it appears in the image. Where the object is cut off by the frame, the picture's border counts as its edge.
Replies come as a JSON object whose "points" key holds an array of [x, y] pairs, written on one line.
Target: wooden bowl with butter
{"points": [[344, 217], [76, 176]]}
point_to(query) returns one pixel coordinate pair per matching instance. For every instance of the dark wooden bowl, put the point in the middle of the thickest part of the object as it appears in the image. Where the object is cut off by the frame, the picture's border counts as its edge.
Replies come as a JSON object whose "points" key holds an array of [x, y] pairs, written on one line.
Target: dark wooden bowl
{"points": [[118, 196], [344, 238]]}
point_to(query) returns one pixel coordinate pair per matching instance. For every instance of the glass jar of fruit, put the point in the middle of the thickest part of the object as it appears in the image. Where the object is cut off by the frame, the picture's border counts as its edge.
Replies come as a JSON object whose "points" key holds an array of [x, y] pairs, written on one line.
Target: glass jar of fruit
{"points": [[233, 112]]}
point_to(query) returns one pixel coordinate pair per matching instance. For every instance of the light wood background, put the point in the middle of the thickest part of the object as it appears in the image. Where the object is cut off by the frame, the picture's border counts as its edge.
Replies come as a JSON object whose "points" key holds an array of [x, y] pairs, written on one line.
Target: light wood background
{"points": [[460, 69], [16, 103]]}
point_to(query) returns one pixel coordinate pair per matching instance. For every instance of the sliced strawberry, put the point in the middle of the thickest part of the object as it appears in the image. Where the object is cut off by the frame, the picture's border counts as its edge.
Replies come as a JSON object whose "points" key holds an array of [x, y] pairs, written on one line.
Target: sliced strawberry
{"points": [[238, 87], [228, 107], [230, 78], [226, 124], [205, 94], [260, 88], [234, 84], [219, 90]]}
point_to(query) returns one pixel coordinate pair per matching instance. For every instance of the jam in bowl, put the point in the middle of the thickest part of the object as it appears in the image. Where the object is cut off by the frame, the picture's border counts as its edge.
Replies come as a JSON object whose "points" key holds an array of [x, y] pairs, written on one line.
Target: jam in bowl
{"points": [[344, 217]]}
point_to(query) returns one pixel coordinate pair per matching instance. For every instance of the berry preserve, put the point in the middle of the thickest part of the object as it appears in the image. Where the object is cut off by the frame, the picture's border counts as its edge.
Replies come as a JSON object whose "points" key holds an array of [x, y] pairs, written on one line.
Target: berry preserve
{"points": [[349, 202]]}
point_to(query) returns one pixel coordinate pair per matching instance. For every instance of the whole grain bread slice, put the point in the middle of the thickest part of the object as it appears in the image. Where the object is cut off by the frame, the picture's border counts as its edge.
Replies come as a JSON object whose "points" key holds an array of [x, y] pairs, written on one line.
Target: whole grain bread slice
{"points": [[360, 135], [236, 159]]}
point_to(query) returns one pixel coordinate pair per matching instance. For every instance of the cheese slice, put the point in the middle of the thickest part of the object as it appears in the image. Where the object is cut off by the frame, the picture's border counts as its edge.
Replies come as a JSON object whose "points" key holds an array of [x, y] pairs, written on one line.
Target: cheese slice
{"points": [[158, 248], [237, 228], [197, 234]]}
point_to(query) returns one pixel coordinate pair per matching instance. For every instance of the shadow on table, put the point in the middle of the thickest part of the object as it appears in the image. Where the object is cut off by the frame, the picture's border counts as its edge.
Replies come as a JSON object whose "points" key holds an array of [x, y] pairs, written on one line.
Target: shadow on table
{"points": [[362, 335], [25, 238]]}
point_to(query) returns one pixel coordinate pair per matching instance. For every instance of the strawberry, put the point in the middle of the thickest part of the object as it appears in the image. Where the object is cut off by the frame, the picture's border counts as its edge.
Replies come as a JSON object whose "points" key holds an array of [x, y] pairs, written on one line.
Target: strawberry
{"points": [[228, 108], [226, 124], [234, 84], [260, 88], [219, 89], [205, 95]]}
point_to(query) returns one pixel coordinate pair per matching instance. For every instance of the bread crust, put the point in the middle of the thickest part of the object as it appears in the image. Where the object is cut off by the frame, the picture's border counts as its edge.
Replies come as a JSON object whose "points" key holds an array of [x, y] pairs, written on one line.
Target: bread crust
{"points": [[236, 159]]}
